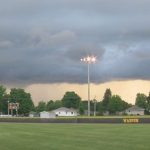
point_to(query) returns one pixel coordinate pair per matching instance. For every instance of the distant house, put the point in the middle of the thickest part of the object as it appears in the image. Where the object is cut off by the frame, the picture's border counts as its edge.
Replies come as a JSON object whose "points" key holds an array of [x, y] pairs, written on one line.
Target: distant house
{"points": [[135, 110], [45, 114], [63, 111], [33, 114]]}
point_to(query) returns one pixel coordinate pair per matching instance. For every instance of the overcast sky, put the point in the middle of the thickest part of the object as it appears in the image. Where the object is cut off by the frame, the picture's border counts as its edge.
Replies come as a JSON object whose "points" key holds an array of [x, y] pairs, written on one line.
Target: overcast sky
{"points": [[42, 41]]}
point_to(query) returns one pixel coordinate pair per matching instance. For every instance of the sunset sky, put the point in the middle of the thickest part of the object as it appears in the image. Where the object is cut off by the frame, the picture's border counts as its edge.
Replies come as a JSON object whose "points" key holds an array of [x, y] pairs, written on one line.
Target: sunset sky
{"points": [[41, 43]]}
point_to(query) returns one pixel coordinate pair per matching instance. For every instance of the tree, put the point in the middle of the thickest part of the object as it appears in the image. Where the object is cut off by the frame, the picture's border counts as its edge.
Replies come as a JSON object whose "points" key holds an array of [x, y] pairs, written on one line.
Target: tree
{"points": [[5, 100], [2, 91], [85, 104], [148, 104], [2, 95], [24, 99], [106, 99], [100, 108], [41, 106], [71, 99], [116, 104], [141, 100], [81, 108], [50, 105], [57, 104], [148, 99]]}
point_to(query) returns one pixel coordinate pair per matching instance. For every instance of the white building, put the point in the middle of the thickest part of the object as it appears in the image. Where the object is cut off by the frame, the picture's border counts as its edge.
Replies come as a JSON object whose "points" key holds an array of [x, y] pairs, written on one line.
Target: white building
{"points": [[63, 111], [33, 114], [135, 110], [45, 114]]}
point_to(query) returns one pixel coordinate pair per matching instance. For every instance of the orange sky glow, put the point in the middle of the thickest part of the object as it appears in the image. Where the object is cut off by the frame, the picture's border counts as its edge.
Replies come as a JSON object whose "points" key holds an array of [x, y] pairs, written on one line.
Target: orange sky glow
{"points": [[126, 89]]}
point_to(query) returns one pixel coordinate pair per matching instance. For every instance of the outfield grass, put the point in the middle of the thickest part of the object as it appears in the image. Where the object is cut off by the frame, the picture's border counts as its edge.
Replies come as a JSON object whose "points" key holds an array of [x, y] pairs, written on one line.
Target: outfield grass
{"points": [[28, 136]]}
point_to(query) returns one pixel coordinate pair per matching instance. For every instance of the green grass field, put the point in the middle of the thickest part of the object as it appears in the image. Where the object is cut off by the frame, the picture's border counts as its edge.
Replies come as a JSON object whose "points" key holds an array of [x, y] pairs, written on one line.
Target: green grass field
{"points": [[28, 136]]}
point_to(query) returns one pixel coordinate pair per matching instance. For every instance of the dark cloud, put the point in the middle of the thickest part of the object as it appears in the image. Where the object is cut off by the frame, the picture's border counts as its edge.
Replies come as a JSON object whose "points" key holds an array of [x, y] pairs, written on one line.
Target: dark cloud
{"points": [[43, 41]]}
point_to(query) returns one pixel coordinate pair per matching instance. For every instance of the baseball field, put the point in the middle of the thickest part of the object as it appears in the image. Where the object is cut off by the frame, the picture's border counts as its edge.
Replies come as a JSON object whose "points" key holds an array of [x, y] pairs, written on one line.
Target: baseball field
{"points": [[36, 136]]}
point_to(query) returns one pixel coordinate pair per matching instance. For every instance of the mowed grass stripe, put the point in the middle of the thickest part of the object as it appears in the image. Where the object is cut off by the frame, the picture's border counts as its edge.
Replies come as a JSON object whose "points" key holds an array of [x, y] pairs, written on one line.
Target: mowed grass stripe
{"points": [[74, 136]]}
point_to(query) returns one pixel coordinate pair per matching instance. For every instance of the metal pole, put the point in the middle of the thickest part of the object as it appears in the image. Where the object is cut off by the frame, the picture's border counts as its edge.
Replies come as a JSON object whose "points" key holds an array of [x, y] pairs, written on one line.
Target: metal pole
{"points": [[88, 89], [89, 60]]}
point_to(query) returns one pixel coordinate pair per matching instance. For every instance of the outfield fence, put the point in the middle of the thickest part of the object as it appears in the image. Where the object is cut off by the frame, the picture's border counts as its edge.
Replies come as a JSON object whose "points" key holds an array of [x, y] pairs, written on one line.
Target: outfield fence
{"points": [[77, 120]]}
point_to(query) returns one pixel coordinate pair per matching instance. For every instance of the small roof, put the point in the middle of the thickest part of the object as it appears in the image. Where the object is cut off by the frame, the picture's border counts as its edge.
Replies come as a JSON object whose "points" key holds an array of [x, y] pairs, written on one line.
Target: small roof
{"points": [[47, 112], [65, 109], [135, 108]]}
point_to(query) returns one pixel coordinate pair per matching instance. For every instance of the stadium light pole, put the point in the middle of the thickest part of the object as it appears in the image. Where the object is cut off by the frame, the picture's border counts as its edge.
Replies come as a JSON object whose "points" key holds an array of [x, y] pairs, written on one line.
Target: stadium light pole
{"points": [[89, 60]]}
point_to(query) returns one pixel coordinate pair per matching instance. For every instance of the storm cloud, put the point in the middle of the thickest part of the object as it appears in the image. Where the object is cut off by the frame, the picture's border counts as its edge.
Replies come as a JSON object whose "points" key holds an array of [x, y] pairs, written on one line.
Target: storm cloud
{"points": [[43, 41]]}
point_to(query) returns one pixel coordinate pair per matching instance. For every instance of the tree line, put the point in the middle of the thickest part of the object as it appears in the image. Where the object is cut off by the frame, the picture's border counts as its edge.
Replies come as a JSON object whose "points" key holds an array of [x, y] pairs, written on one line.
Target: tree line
{"points": [[16, 96], [143, 101], [110, 103]]}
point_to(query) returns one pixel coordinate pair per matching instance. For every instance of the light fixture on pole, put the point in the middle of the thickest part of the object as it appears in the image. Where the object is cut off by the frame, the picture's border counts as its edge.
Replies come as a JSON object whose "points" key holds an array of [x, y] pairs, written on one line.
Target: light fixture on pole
{"points": [[89, 60]]}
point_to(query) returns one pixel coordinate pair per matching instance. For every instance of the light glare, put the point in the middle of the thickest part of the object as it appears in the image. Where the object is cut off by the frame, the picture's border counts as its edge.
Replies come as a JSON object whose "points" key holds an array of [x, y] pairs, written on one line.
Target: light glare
{"points": [[89, 59]]}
